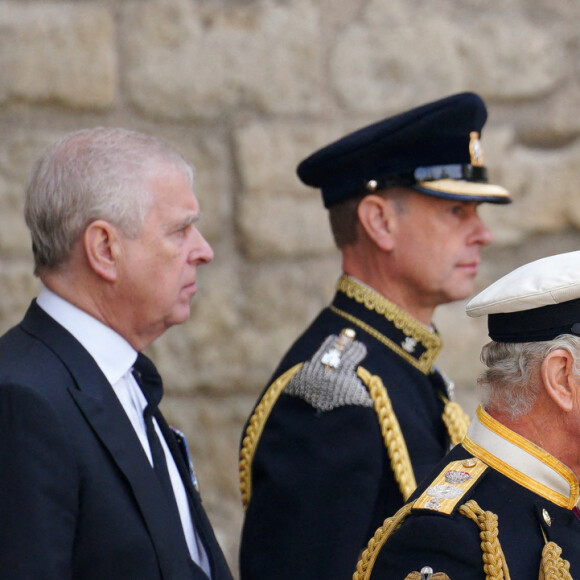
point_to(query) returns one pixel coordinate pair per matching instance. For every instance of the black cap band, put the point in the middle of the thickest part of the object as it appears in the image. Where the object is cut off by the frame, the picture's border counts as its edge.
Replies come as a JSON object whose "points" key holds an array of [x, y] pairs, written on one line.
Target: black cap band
{"points": [[537, 324]]}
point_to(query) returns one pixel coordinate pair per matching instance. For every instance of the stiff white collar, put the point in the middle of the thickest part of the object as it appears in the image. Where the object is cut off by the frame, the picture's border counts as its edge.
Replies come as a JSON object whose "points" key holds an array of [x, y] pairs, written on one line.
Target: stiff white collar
{"points": [[521, 460]]}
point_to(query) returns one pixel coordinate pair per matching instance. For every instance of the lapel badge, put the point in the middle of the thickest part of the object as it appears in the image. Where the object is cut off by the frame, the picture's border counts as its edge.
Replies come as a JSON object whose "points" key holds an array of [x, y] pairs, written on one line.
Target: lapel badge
{"points": [[475, 150]]}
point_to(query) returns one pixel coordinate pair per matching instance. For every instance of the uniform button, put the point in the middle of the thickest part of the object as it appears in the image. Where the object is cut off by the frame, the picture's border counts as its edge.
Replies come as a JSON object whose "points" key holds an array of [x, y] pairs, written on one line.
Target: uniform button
{"points": [[546, 517]]}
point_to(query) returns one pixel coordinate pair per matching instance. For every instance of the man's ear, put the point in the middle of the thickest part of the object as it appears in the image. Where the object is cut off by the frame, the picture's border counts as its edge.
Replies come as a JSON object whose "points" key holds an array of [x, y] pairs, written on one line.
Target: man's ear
{"points": [[375, 214], [101, 246], [558, 378]]}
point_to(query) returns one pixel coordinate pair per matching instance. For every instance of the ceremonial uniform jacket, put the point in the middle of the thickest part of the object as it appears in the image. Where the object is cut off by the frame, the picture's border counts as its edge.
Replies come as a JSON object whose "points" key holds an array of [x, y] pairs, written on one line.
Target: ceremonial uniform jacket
{"points": [[500, 507], [317, 474]]}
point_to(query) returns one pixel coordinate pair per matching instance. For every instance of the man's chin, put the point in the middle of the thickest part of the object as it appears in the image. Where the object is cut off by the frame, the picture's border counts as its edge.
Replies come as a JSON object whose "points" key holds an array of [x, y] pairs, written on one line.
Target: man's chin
{"points": [[179, 315]]}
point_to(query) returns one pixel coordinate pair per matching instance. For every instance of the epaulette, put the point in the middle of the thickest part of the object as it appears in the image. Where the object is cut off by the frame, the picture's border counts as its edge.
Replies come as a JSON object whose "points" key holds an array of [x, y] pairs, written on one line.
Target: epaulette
{"points": [[329, 380], [449, 488]]}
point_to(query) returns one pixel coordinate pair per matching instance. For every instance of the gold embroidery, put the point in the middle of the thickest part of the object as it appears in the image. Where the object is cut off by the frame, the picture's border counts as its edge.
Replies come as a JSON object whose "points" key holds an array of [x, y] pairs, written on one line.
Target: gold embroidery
{"points": [[518, 476], [392, 313], [449, 487]]}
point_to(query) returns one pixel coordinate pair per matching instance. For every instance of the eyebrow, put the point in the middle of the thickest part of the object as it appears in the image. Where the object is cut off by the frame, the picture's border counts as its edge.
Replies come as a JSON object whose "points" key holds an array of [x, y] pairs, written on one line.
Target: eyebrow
{"points": [[188, 221]]}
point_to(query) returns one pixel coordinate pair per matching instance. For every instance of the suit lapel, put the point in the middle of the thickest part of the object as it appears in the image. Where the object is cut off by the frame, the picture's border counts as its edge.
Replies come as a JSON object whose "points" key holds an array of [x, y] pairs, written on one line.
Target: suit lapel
{"points": [[98, 403], [201, 522]]}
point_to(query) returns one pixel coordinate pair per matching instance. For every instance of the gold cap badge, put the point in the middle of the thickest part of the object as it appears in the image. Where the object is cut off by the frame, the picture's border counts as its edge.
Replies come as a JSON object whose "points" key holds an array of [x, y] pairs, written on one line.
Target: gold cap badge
{"points": [[475, 150]]}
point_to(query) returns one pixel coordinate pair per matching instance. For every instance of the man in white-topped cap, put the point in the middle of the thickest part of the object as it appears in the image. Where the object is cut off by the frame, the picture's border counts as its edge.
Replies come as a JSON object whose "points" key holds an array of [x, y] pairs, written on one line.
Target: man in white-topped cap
{"points": [[504, 503]]}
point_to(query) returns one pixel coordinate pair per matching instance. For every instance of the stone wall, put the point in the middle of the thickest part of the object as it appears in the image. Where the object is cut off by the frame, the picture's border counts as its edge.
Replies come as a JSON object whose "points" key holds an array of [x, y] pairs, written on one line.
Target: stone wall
{"points": [[246, 89]]}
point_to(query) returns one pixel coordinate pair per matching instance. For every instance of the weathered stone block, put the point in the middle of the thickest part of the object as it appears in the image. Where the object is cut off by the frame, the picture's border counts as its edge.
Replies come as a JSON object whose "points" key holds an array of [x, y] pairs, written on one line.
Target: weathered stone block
{"points": [[398, 50], [18, 151], [186, 59], [61, 52], [374, 70], [19, 287], [284, 226], [207, 151]]}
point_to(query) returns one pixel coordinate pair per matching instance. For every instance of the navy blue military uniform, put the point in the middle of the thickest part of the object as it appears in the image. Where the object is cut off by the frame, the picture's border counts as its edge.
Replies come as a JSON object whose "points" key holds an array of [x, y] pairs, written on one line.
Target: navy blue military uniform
{"points": [[532, 516], [326, 474], [505, 503], [353, 417]]}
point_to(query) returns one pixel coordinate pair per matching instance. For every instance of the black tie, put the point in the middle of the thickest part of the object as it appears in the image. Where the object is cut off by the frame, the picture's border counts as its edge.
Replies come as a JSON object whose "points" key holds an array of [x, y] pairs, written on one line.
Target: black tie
{"points": [[150, 382]]}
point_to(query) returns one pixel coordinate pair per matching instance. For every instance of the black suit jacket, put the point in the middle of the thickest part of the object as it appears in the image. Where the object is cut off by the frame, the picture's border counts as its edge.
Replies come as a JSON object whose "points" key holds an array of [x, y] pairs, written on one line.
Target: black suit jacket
{"points": [[79, 497]]}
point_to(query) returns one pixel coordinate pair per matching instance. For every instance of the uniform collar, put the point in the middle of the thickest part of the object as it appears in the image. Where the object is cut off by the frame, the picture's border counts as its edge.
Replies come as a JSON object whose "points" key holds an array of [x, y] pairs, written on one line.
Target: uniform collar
{"points": [[521, 460], [395, 328]]}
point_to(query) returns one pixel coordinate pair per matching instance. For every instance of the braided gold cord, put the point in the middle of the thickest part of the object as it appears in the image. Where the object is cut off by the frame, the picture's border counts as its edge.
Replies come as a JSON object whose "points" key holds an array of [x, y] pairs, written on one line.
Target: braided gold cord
{"points": [[553, 567], [456, 420], [367, 560], [391, 431], [494, 564], [255, 428]]}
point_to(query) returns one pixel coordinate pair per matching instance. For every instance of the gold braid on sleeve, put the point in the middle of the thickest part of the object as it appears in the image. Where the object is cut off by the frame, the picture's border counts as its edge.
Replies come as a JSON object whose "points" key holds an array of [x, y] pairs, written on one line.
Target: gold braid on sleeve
{"points": [[391, 431], [494, 564], [367, 560], [456, 420], [255, 428]]}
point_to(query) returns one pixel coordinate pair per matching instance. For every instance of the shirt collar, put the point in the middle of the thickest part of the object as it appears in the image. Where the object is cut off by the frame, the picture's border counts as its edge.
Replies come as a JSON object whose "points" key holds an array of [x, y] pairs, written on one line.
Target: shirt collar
{"points": [[112, 353], [521, 460]]}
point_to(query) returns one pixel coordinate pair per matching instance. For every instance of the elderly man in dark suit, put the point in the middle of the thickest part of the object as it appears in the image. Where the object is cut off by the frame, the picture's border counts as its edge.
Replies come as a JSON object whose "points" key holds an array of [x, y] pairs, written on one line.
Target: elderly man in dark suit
{"points": [[94, 483]]}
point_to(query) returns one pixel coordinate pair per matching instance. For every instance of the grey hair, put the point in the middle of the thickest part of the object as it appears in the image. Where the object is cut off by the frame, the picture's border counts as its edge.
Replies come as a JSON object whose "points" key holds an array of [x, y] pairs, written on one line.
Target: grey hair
{"points": [[101, 173], [512, 380]]}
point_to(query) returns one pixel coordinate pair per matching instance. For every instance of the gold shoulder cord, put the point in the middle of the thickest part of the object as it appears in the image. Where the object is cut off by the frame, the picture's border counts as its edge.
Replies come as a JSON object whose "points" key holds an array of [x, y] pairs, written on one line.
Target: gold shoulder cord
{"points": [[494, 564], [553, 566], [391, 431], [367, 560], [456, 420], [255, 428]]}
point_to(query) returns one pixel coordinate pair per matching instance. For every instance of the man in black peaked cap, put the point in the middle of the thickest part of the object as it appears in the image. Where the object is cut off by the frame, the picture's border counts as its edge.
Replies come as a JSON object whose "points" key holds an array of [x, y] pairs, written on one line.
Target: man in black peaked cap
{"points": [[356, 414], [504, 503]]}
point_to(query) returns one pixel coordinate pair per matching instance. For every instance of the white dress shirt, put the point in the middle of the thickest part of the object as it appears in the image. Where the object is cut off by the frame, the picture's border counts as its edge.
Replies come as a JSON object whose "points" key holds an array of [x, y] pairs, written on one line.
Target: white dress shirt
{"points": [[116, 357]]}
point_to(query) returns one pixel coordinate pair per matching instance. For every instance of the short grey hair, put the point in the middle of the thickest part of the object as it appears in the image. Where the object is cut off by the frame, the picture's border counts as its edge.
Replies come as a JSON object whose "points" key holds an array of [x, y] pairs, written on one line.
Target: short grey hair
{"points": [[512, 380], [101, 173]]}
